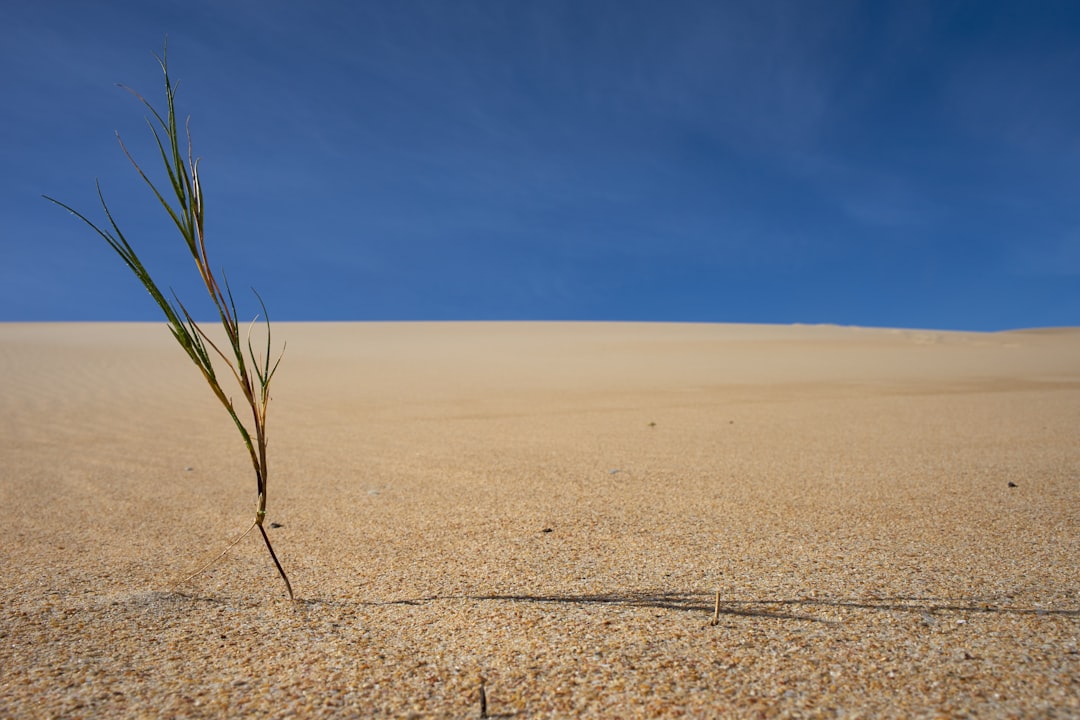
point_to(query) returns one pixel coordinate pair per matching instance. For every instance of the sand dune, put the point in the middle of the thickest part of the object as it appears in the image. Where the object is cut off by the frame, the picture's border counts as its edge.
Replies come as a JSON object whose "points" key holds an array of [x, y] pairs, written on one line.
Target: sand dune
{"points": [[891, 518]]}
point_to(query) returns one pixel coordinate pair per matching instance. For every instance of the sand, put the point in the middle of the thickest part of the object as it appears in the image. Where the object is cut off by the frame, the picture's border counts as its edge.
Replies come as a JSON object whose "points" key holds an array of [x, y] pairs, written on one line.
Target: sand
{"points": [[891, 519]]}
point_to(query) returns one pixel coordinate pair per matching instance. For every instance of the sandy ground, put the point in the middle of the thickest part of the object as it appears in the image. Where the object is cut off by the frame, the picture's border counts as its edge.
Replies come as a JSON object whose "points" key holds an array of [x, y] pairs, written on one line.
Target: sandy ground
{"points": [[891, 518]]}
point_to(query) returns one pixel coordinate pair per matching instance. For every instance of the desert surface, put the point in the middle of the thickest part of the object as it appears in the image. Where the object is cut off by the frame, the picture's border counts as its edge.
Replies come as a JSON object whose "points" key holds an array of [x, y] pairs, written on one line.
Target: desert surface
{"points": [[886, 523]]}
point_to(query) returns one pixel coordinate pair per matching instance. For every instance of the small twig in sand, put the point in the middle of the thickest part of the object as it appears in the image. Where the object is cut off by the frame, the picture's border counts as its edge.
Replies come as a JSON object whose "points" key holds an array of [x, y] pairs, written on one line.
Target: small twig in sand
{"points": [[716, 611]]}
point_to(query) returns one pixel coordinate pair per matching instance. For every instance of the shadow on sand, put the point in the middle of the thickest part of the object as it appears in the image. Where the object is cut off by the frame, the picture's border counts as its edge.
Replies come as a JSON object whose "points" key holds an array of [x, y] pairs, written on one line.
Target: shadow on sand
{"points": [[788, 609], [799, 609]]}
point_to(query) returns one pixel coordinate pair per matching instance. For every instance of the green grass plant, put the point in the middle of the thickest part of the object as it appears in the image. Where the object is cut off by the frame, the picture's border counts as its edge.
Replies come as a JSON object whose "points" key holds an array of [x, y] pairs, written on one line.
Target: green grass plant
{"points": [[253, 373]]}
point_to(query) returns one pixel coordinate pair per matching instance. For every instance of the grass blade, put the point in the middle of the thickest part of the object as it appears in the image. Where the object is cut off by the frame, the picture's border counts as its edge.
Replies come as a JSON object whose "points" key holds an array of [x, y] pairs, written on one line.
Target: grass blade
{"points": [[185, 210]]}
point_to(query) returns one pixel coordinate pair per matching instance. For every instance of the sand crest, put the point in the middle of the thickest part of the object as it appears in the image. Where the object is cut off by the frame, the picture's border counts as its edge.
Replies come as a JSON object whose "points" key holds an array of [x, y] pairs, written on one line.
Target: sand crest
{"points": [[891, 519]]}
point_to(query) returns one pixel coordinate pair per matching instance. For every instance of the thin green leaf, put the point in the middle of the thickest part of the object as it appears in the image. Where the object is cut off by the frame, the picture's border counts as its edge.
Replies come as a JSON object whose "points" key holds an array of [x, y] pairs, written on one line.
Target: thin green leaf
{"points": [[186, 211]]}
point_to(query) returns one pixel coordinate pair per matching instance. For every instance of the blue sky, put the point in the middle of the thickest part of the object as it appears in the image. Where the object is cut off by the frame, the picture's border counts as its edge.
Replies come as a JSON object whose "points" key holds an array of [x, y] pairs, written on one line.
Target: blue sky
{"points": [[905, 164]]}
